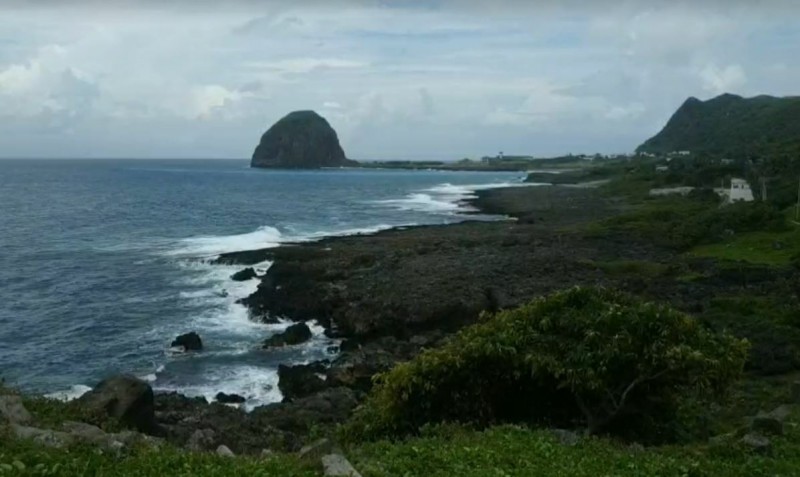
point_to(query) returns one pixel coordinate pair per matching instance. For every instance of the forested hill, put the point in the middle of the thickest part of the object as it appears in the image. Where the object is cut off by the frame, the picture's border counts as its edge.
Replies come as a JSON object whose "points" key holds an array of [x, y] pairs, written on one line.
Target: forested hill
{"points": [[731, 125]]}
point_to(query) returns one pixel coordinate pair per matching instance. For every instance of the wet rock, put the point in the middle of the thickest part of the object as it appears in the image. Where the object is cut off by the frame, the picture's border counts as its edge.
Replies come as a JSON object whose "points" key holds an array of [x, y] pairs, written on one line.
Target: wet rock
{"points": [[757, 443], [244, 275], [314, 451], [295, 334], [225, 452], [201, 440], [189, 342], [301, 380], [125, 398], [229, 398], [12, 411], [336, 465]]}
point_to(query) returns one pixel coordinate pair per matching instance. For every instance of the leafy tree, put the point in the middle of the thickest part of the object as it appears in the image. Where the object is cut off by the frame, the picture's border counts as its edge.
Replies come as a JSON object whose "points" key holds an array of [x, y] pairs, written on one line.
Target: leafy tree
{"points": [[585, 357]]}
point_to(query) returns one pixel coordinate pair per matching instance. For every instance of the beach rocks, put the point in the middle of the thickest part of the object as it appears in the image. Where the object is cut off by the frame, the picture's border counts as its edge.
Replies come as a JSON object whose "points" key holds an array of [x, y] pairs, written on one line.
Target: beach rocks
{"points": [[295, 334], [201, 440], [229, 398], [189, 342], [301, 380], [244, 275], [12, 411], [125, 398], [756, 443]]}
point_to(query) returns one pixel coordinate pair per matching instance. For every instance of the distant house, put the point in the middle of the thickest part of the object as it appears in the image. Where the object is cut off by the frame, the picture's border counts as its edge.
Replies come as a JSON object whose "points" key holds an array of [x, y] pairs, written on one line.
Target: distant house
{"points": [[680, 153], [740, 191], [726, 162], [662, 168]]}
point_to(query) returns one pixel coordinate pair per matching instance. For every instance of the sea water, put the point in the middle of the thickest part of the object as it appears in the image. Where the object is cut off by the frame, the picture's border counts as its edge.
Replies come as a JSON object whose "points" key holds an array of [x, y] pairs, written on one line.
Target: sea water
{"points": [[104, 262]]}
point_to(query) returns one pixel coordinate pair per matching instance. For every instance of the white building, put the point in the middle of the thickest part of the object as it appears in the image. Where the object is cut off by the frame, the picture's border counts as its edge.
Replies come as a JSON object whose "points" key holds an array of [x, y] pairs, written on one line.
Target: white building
{"points": [[740, 190]]}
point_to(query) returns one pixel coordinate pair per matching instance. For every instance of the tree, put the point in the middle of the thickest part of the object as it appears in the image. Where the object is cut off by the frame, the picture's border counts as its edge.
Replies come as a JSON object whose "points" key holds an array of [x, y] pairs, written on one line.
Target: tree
{"points": [[585, 357]]}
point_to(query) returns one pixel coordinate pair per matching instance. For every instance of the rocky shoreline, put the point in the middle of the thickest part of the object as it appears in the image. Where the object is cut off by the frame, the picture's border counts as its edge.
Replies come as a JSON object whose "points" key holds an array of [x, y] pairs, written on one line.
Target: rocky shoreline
{"points": [[390, 294]]}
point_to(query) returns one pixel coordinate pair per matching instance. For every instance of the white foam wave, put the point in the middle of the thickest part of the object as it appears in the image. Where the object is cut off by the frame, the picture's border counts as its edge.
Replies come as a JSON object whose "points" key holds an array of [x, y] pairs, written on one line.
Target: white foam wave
{"points": [[258, 385], [74, 392], [444, 198], [211, 245]]}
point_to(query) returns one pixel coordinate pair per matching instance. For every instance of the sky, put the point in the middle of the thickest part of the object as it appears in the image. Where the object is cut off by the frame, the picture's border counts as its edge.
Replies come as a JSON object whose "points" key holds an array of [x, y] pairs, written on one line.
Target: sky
{"points": [[436, 79]]}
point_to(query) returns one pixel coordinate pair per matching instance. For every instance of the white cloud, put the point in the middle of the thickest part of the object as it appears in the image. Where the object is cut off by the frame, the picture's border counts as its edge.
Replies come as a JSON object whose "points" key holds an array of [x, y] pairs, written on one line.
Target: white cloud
{"points": [[456, 78], [720, 80]]}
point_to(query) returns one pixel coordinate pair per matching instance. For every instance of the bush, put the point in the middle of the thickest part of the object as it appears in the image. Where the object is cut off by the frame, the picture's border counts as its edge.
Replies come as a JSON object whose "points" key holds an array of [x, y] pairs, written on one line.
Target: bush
{"points": [[583, 357]]}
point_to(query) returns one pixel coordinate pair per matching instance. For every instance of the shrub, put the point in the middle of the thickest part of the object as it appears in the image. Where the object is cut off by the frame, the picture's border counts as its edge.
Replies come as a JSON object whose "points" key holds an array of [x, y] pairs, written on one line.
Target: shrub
{"points": [[583, 357]]}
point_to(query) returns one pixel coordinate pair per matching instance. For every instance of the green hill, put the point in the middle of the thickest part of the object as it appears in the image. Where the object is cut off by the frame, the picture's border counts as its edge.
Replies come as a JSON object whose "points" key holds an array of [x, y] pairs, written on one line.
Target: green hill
{"points": [[731, 125]]}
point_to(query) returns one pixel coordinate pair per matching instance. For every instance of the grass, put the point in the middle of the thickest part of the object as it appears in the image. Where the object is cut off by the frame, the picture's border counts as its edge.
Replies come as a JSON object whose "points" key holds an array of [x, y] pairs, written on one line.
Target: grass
{"points": [[513, 451], [24, 458], [755, 247]]}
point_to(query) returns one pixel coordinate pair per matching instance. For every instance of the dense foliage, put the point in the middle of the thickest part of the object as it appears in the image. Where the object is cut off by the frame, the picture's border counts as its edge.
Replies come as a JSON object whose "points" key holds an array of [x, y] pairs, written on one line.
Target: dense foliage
{"points": [[584, 357], [731, 125], [682, 223]]}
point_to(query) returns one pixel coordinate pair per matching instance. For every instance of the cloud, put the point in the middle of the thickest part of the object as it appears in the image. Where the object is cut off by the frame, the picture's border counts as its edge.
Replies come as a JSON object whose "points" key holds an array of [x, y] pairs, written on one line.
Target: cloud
{"points": [[438, 79], [720, 80]]}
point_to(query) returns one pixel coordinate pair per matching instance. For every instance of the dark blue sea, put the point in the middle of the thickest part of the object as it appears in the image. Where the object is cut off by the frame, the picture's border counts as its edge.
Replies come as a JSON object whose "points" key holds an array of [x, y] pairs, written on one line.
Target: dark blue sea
{"points": [[104, 262]]}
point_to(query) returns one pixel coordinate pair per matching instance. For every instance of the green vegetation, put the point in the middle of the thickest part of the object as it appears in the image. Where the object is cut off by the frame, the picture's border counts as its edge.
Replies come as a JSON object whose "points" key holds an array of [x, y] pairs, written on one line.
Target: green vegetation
{"points": [[630, 267], [731, 125], [26, 458], [768, 248], [612, 363], [513, 451]]}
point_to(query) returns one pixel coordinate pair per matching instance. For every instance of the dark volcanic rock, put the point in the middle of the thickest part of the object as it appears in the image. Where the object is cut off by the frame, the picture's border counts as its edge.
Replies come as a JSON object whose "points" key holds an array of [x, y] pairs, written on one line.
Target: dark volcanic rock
{"points": [[229, 398], [328, 407], [301, 380], [244, 275], [295, 334], [189, 342], [126, 398], [302, 139]]}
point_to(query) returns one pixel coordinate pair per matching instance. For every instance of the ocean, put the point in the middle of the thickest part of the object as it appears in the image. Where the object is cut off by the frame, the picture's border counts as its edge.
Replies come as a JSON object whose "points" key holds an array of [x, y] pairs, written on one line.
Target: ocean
{"points": [[104, 262]]}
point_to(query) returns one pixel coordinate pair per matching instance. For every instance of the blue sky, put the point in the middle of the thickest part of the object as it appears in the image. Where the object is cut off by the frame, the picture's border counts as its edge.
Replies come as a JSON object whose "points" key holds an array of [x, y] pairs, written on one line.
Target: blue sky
{"points": [[398, 80]]}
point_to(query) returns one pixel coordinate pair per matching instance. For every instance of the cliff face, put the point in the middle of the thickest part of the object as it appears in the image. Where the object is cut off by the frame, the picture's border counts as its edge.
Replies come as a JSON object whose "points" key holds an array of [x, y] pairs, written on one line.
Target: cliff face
{"points": [[300, 140], [730, 124]]}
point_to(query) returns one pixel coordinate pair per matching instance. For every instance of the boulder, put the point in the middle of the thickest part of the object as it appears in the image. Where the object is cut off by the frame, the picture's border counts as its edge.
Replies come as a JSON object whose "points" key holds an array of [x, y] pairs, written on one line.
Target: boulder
{"points": [[201, 440], [764, 423], [336, 465], [756, 442], [12, 411], [225, 452], [301, 139], [244, 275], [44, 437], [301, 380], [565, 437], [125, 398], [295, 334], [229, 398], [189, 342]]}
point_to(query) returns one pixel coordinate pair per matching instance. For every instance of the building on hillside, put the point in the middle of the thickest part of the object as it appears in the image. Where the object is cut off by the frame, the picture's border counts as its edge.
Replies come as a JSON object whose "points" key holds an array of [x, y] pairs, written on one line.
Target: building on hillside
{"points": [[740, 191], [662, 168], [726, 161]]}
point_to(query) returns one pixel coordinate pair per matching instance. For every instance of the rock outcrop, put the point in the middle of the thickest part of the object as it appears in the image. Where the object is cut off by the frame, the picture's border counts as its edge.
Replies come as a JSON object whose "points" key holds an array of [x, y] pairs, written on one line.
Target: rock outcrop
{"points": [[295, 334], [125, 398], [300, 140], [189, 342]]}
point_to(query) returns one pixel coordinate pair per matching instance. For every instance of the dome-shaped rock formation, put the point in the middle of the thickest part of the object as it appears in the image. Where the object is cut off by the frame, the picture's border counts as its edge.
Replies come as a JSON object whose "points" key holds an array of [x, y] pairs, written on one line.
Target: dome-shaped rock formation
{"points": [[300, 140]]}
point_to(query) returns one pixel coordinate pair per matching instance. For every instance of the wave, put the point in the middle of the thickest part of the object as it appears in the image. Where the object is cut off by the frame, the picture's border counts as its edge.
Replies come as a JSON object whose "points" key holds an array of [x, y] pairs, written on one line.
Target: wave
{"points": [[211, 245], [445, 198], [74, 392]]}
